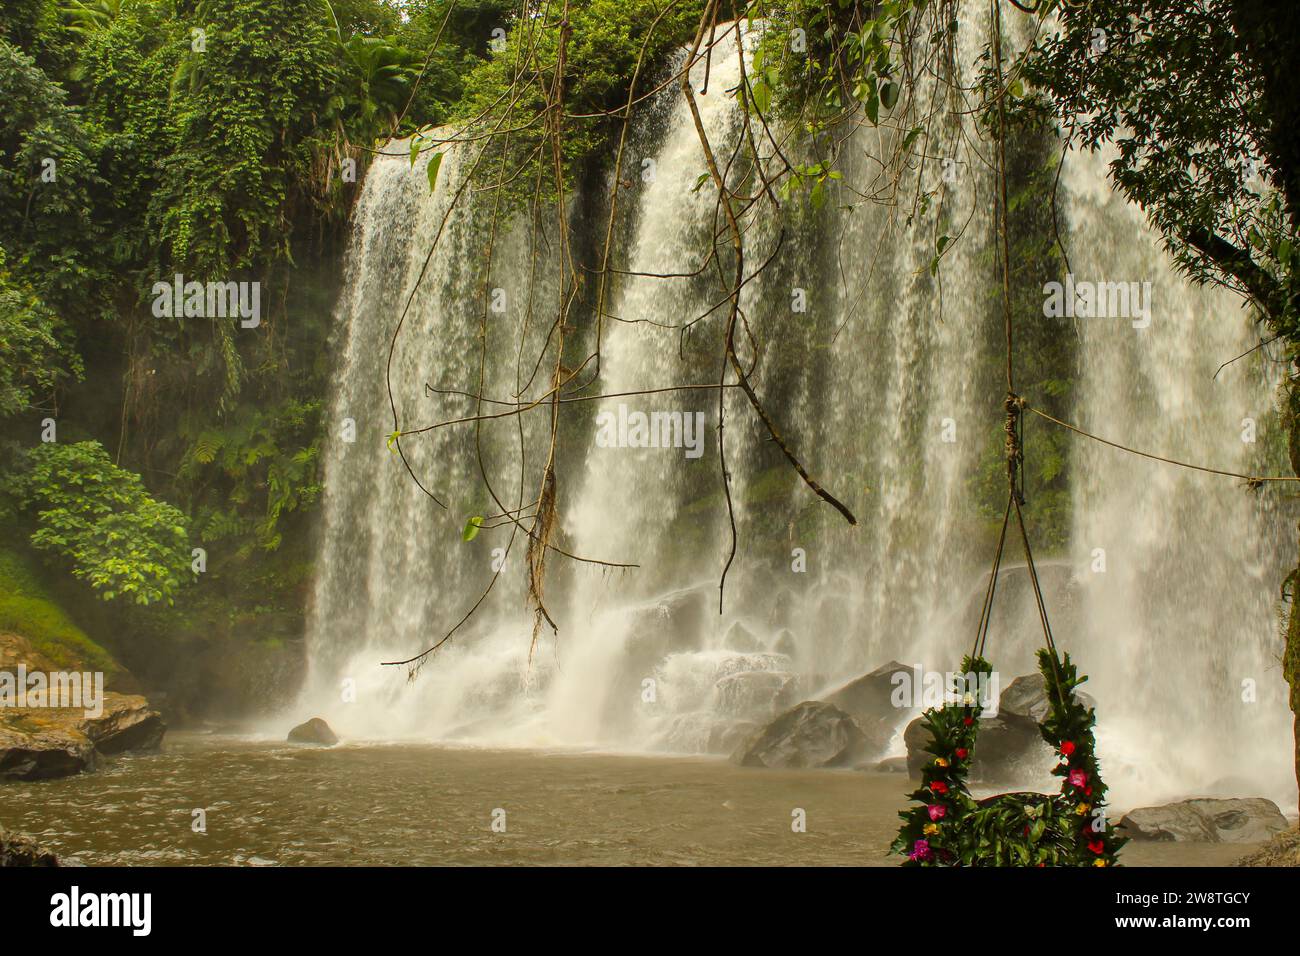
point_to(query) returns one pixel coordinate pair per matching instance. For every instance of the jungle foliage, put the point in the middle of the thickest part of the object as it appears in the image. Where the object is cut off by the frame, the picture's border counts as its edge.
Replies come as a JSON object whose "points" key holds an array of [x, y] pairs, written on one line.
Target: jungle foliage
{"points": [[221, 140]]}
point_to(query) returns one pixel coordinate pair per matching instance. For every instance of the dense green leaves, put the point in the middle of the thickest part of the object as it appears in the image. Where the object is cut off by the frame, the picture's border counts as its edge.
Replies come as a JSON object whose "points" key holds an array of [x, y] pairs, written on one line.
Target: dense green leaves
{"points": [[605, 41], [98, 520], [1198, 102], [35, 353]]}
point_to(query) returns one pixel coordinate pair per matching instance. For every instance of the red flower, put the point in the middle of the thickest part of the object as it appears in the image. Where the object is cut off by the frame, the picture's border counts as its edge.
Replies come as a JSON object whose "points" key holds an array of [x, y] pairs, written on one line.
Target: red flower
{"points": [[1067, 748], [1097, 846], [938, 786], [968, 721], [1078, 778], [961, 753], [1087, 791]]}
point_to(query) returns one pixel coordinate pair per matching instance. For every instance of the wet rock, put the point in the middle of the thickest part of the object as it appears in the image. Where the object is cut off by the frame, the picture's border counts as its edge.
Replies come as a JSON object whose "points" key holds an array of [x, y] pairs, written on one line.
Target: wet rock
{"points": [[811, 734], [1205, 820], [679, 618], [1006, 751], [869, 698], [786, 643], [756, 693], [314, 731], [1025, 701], [18, 850], [741, 638], [42, 743], [128, 723], [31, 748]]}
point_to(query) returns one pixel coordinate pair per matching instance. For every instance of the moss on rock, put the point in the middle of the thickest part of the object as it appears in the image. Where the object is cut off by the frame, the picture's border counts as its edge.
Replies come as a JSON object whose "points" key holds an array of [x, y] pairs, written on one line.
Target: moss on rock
{"points": [[36, 631]]}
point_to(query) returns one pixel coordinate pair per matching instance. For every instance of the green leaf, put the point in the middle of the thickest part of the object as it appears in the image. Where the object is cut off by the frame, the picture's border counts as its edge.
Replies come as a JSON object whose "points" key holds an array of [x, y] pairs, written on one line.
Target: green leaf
{"points": [[435, 162], [888, 94], [415, 149], [471, 528], [392, 441]]}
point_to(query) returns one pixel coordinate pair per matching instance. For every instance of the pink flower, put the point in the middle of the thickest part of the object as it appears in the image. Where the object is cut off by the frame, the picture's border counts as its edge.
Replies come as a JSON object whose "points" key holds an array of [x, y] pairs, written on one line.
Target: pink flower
{"points": [[937, 811], [920, 850], [1078, 778]]}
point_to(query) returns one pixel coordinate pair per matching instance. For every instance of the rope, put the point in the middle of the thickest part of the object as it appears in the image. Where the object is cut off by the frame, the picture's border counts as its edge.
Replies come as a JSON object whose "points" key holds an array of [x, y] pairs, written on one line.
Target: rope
{"points": [[1013, 405], [986, 612], [1253, 481]]}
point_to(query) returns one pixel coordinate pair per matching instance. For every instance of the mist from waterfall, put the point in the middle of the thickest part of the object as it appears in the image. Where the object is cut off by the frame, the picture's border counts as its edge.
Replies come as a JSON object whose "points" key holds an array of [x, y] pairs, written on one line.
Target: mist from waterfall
{"points": [[874, 385]]}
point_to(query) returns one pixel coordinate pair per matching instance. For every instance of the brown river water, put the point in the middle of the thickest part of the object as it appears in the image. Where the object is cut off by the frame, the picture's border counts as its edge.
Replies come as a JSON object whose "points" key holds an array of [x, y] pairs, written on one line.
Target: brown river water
{"points": [[404, 804]]}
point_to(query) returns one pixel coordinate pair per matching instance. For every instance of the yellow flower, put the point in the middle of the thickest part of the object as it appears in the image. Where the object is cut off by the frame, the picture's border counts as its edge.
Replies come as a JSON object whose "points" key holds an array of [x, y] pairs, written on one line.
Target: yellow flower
{"points": [[1099, 862], [940, 762], [1082, 808], [931, 829]]}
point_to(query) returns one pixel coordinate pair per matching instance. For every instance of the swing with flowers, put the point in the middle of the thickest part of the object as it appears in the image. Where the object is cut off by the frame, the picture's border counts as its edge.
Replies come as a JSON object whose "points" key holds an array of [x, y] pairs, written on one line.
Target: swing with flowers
{"points": [[949, 827]]}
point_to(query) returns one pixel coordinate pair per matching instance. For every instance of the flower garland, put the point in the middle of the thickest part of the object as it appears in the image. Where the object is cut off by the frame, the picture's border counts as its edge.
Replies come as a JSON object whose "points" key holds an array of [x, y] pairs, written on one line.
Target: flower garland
{"points": [[948, 827]]}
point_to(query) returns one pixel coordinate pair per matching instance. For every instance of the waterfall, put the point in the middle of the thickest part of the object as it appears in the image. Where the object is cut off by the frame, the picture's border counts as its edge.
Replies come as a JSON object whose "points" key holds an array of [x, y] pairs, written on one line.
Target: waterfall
{"points": [[872, 370], [1181, 634]]}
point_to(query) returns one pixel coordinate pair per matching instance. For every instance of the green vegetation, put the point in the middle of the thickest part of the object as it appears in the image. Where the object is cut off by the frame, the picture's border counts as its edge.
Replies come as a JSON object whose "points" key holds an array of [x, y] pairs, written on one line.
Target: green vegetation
{"points": [[28, 610], [603, 42], [98, 519], [222, 140]]}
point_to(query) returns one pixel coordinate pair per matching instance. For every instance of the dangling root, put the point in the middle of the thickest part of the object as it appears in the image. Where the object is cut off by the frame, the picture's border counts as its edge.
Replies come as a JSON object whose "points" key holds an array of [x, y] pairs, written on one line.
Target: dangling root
{"points": [[538, 543]]}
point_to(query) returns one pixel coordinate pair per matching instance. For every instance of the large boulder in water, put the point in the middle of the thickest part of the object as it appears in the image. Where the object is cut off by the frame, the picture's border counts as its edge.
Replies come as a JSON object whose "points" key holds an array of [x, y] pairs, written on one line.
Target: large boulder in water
{"points": [[1205, 820], [314, 731], [33, 748], [811, 734], [869, 698], [42, 743], [128, 723], [1006, 751], [1025, 701]]}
